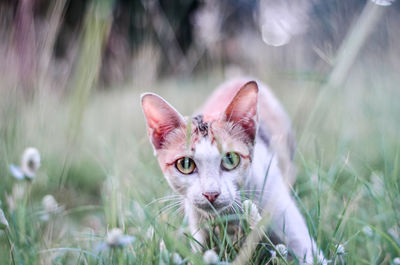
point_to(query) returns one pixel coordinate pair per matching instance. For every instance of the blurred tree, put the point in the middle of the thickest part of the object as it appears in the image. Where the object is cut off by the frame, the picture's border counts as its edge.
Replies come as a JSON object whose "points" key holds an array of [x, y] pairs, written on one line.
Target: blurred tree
{"points": [[171, 26]]}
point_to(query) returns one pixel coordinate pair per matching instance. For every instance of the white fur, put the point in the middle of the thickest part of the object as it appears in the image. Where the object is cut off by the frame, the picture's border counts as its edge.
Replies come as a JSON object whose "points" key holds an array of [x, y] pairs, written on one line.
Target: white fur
{"points": [[287, 222]]}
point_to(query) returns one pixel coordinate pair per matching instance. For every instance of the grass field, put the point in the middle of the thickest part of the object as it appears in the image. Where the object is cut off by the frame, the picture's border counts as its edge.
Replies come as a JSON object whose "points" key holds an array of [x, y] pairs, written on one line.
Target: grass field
{"points": [[97, 162]]}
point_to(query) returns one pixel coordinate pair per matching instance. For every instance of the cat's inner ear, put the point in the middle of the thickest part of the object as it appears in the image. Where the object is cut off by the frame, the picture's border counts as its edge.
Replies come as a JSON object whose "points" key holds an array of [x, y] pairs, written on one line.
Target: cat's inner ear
{"points": [[161, 118], [243, 109]]}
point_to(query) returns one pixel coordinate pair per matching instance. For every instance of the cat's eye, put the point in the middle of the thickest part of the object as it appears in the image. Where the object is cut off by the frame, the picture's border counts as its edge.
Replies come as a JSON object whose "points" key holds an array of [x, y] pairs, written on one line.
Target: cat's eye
{"points": [[230, 161], [185, 165]]}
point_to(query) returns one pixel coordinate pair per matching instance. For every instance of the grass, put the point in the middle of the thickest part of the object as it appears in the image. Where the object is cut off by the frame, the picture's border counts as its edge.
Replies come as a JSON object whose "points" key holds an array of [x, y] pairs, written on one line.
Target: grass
{"points": [[98, 164], [348, 181]]}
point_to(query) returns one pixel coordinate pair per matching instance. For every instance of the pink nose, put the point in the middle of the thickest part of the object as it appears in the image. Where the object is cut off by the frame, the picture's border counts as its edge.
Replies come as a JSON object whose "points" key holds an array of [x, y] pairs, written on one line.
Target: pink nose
{"points": [[211, 196]]}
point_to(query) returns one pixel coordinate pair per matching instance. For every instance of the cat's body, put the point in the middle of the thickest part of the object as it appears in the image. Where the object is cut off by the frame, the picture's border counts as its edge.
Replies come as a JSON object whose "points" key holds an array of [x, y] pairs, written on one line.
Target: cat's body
{"points": [[241, 141]]}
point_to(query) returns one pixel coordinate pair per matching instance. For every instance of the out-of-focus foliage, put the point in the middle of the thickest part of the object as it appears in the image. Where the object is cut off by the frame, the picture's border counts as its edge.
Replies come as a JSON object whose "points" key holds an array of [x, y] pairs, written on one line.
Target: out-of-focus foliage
{"points": [[71, 75]]}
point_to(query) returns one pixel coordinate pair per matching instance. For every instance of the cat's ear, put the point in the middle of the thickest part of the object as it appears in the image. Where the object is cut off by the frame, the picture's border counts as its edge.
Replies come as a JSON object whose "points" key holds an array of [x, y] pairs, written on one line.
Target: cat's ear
{"points": [[243, 109], [161, 118]]}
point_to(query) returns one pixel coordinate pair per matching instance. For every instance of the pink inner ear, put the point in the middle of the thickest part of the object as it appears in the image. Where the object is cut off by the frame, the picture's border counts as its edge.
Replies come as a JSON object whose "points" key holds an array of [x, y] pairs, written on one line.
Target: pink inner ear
{"points": [[161, 118], [243, 108]]}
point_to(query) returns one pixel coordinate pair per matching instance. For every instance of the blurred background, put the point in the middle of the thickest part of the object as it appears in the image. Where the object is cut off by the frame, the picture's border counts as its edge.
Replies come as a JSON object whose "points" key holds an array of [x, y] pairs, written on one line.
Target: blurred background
{"points": [[72, 71]]}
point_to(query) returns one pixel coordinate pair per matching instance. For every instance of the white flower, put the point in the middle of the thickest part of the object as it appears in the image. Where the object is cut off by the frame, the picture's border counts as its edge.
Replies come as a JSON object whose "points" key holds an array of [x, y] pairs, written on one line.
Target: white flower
{"points": [[394, 232], [396, 261], [282, 249], [50, 207], [176, 259], [322, 260], [3, 220], [251, 213], [210, 257], [273, 259], [16, 172], [115, 238], [30, 162], [49, 204], [367, 230], [340, 250]]}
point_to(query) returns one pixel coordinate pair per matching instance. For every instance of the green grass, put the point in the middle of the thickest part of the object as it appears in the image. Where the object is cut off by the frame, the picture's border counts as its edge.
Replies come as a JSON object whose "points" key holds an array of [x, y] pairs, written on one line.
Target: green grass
{"points": [[98, 163], [348, 179]]}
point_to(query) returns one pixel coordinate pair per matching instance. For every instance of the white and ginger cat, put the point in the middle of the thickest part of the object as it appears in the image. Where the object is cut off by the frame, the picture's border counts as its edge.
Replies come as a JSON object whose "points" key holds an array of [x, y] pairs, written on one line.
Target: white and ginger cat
{"points": [[241, 141]]}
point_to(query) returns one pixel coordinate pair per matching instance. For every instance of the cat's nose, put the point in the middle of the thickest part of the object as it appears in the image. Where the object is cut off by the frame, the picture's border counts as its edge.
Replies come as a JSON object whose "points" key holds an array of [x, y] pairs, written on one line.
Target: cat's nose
{"points": [[211, 196]]}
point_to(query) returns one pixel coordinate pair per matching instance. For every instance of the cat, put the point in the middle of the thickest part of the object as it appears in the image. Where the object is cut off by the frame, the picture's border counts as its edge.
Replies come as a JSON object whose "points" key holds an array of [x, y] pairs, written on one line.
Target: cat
{"points": [[242, 140]]}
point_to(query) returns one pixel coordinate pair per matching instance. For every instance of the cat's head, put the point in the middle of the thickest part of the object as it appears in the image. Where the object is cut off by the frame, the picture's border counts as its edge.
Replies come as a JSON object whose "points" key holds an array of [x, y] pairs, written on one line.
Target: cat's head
{"points": [[206, 161]]}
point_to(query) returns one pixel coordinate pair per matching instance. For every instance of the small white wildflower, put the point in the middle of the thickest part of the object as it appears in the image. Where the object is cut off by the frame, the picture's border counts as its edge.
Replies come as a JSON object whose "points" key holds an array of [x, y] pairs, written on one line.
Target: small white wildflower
{"points": [[322, 260], [273, 259], [30, 162], [176, 259], [367, 230], [50, 207], [394, 232], [115, 238], [3, 220], [210, 257], [16, 172], [49, 204], [251, 213], [282, 249], [396, 261], [340, 250]]}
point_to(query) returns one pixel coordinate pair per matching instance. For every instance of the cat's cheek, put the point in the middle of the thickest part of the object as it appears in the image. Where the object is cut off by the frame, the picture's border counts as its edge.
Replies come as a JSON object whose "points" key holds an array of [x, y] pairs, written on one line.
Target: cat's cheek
{"points": [[242, 175], [177, 182]]}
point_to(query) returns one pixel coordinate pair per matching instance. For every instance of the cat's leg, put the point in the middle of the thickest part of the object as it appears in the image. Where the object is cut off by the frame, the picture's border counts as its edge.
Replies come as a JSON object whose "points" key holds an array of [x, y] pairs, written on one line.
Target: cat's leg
{"points": [[292, 229], [288, 223]]}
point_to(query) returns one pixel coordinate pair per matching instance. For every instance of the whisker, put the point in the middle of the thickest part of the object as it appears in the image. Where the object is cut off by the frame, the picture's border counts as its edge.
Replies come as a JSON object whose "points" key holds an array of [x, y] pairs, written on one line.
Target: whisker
{"points": [[165, 198], [169, 207]]}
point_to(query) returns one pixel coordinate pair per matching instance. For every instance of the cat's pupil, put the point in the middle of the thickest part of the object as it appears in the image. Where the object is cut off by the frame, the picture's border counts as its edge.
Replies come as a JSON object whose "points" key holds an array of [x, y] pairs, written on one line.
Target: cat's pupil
{"points": [[185, 163], [230, 158]]}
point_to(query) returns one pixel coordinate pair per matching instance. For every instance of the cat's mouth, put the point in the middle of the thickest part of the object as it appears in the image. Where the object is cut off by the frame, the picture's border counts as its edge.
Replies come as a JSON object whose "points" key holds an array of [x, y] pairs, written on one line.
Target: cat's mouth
{"points": [[213, 209]]}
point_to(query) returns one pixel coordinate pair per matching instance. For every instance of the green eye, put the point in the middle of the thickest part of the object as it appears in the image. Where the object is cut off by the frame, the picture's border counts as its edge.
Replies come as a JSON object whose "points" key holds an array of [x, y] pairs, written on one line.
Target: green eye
{"points": [[185, 165], [230, 161]]}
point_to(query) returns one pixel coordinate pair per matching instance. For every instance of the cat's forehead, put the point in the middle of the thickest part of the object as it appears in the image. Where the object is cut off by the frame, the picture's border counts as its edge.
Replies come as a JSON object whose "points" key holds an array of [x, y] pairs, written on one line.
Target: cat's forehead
{"points": [[206, 150], [204, 138], [200, 127]]}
